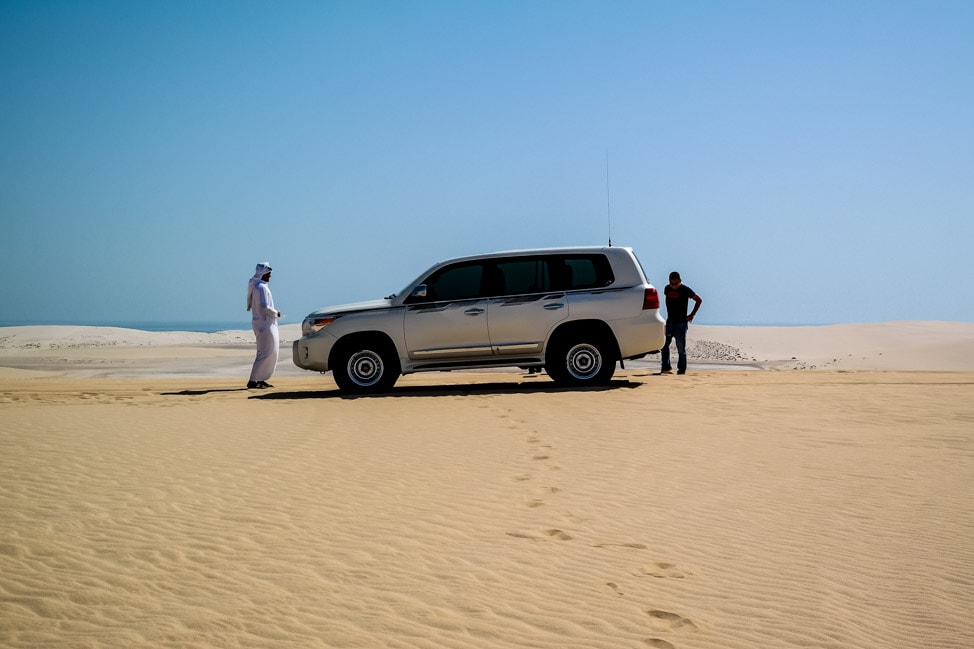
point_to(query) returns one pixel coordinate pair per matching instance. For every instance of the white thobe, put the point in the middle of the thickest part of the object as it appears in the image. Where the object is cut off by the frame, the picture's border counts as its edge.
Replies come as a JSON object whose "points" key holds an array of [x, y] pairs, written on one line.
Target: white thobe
{"points": [[264, 322]]}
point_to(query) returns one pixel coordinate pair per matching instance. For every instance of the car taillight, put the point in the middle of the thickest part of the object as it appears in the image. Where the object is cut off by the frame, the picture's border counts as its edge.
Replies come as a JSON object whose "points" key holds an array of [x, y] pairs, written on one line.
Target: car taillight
{"points": [[651, 299]]}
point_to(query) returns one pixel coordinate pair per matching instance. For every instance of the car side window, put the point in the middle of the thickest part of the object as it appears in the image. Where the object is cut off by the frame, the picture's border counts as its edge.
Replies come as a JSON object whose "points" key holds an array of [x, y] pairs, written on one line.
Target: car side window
{"points": [[574, 272], [460, 282], [522, 275]]}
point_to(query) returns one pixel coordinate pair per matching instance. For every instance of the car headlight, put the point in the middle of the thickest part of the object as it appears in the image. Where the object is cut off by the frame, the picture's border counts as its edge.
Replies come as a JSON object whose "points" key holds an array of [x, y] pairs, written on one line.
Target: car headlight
{"points": [[314, 324]]}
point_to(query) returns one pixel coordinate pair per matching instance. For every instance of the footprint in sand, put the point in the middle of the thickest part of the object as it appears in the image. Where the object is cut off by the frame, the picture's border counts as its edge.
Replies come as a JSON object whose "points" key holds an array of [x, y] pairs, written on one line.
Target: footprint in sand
{"points": [[631, 546], [662, 570], [666, 621], [553, 533], [558, 534], [659, 644], [615, 588], [542, 458]]}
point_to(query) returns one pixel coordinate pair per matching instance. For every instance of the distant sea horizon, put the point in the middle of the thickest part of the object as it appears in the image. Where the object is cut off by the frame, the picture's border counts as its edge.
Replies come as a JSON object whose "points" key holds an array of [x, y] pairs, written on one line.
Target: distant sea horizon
{"points": [[146, 325], [244, 325]]}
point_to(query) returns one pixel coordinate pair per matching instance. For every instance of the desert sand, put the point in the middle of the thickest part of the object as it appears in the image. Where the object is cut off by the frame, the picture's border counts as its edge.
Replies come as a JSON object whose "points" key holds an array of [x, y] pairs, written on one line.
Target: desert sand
{"points": [[819, 495]]}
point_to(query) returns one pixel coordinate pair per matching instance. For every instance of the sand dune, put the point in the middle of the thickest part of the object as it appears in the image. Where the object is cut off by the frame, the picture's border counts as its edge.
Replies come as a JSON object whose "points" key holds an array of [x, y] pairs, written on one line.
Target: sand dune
{"points": [[102, 352], [731, 509], [934, 346], [107, 352]]}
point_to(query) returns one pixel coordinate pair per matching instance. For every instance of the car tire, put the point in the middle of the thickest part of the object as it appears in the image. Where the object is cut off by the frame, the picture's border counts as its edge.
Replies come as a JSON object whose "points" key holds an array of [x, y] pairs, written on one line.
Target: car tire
{"points": [[366, 367], [581, 361]]}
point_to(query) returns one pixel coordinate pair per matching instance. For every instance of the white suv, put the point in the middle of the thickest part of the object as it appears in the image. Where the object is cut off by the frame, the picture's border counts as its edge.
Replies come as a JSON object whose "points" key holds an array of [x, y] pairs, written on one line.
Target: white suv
{"points": [[573, 311]]}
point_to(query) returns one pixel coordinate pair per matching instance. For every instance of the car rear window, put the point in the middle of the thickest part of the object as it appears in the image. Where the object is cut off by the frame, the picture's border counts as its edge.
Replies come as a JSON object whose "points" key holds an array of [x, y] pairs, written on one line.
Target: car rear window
{"points": [[582, 271]]}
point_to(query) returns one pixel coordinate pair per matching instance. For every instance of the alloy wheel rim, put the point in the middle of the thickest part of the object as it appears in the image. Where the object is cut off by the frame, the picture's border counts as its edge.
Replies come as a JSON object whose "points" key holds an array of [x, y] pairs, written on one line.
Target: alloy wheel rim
{"points": [[365, 368], [584, 361]]}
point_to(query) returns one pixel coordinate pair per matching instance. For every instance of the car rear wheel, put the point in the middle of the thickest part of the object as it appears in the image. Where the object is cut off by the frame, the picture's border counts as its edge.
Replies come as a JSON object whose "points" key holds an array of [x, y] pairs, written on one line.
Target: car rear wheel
{"points": [[581, 361], [365, 368]]}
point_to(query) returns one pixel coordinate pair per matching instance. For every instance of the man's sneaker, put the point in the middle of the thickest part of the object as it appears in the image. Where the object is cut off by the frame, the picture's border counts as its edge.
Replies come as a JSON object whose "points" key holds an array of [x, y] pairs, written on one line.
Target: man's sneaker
{"points": [[252, 384], [666, 371], [681, 372]]}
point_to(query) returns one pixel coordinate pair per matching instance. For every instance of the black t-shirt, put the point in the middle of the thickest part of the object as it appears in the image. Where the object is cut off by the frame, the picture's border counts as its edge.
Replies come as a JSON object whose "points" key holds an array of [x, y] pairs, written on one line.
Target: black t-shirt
{"points": [[677, 300]]}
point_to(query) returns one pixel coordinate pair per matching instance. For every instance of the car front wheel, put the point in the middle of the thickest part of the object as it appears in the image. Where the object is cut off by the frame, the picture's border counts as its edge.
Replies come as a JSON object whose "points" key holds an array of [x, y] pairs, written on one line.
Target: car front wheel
{"points": [[365, 368]]}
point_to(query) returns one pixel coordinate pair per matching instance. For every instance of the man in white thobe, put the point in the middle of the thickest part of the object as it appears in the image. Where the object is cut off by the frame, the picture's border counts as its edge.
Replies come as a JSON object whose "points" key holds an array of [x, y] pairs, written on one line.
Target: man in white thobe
{"points": [[264, 317]]}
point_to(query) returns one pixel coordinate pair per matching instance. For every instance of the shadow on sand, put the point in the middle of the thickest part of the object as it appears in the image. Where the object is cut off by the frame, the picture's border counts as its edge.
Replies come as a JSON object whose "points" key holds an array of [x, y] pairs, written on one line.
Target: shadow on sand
{"points": [[456, 390], [196, 393]]}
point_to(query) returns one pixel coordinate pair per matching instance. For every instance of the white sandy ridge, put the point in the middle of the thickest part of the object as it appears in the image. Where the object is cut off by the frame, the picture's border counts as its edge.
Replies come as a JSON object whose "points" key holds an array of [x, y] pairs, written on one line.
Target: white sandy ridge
{"points": [[108, 352]]}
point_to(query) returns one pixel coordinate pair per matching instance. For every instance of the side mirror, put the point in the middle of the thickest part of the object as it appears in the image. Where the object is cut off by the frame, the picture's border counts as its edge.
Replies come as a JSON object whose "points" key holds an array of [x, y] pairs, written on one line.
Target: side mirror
{"points": [[419, 291]]}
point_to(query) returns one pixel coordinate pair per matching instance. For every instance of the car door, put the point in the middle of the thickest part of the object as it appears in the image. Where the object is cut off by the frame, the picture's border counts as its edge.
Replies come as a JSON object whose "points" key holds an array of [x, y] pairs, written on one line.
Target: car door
{"points": [[450, 322], [525, 306]]}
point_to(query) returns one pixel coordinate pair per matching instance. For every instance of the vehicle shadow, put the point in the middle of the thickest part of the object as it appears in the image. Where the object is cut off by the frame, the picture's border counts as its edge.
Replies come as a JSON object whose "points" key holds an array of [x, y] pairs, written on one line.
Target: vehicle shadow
{"points": [[454, 390]]}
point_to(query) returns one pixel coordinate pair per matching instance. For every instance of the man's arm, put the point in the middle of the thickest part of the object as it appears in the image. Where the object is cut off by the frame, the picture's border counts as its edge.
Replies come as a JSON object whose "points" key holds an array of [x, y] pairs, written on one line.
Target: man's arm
{"points": [[698, 300], [265, 303]]}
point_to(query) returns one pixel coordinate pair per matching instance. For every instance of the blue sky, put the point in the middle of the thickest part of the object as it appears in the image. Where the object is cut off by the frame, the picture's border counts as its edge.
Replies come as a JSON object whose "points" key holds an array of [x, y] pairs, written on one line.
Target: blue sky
{"points": [[798, 162]]}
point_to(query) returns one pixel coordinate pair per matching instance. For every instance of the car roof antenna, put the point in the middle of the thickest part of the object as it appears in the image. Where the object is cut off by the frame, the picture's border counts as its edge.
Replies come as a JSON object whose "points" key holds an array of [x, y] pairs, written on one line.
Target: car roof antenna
{"points": [[608, 206]]}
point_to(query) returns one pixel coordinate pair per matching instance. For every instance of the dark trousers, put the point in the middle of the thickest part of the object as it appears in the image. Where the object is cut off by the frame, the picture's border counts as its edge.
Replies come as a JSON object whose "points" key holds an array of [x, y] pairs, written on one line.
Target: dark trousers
{"points": [[675, 331]]}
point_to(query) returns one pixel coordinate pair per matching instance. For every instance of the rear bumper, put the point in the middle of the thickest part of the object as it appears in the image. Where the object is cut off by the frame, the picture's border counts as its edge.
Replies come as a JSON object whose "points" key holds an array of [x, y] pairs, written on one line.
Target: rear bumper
{"points": [[640, 336]]}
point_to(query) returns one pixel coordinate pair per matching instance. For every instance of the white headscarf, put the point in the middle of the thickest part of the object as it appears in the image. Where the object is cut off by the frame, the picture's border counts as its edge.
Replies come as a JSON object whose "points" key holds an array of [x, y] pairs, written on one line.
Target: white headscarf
{"points": [[263, 268]]}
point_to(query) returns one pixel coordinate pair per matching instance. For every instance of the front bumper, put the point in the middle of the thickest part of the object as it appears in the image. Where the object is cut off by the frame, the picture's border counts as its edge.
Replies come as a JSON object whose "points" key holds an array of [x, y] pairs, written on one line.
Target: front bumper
{"points": [[308, 354]]}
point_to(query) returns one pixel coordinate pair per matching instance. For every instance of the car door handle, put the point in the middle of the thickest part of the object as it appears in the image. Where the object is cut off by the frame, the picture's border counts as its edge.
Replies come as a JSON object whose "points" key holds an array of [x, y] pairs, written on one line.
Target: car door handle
{"points": [[554, 305], [475, 311]]}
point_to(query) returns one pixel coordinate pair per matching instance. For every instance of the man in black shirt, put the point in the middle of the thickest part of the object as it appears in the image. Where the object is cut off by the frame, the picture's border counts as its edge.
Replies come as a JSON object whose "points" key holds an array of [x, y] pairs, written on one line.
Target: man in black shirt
{"points": [[678, 296]]}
